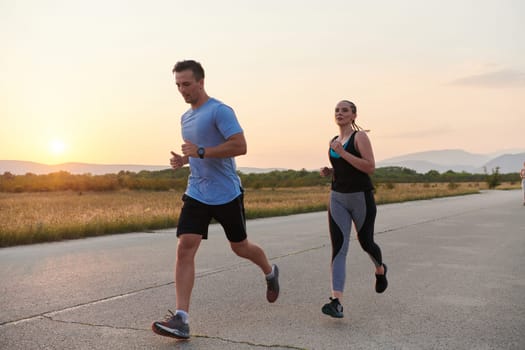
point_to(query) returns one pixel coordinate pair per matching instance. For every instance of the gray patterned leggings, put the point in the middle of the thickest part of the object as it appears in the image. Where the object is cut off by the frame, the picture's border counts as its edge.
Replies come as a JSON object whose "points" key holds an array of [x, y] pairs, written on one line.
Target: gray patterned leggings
{"points": [[345, 208]]}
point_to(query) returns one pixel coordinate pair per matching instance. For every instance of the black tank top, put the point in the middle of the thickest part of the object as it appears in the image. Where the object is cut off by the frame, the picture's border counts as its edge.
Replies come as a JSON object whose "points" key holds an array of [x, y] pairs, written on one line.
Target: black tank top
{"points": [[346, 178]]}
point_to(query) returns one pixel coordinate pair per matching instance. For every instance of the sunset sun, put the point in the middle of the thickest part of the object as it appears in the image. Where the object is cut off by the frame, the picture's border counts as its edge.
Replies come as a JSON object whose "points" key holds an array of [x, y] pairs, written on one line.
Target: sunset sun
{"points": [[57, 147]]}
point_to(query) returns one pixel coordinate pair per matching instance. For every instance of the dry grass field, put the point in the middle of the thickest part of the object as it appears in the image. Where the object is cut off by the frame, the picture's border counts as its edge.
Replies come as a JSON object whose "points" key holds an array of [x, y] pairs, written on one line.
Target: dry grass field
{"points": [[27, 218]]}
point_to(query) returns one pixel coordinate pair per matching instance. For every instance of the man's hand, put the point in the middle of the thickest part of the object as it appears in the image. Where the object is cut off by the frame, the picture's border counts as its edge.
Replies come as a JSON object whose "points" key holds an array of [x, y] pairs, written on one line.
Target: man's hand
{"points": [[189, 149], [177, 161]]}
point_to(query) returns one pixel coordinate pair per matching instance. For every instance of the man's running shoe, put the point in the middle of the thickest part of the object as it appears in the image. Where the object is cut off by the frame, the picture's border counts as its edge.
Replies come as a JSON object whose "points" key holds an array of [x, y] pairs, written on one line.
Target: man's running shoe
{"points": [[381, 282], [333, 308], [272, 291], [173, 326]]}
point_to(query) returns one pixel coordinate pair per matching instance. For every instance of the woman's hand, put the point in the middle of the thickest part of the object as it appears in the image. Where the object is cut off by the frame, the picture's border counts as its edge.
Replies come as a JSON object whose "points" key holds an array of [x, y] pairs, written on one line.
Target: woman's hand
{"points": [[325, 171], [337, 147]]}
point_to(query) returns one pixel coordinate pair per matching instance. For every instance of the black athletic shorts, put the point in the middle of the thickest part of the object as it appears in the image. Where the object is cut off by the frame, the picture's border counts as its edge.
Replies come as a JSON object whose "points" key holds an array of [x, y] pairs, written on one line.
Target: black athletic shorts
{"points": [[195, 217]]}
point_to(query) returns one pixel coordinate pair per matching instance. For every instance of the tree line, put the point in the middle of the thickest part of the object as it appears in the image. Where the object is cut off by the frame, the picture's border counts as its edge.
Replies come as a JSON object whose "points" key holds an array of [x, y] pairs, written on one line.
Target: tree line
{"points": [[165, 180]]}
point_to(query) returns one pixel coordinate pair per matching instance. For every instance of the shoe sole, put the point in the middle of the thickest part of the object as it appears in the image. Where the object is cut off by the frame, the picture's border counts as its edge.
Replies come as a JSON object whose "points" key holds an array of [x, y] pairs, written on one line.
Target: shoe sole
{"points": [[164, 332], [272, 296]]}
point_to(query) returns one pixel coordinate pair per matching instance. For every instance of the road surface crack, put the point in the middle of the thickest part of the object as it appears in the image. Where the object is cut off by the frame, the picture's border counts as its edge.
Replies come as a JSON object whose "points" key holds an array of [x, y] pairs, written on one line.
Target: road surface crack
{"points": [[268, 346]]}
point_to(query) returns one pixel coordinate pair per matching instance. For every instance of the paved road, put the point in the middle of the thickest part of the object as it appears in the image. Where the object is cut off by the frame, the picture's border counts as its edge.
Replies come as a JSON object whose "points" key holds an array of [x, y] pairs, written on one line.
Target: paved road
{"points": [[456, 272]]}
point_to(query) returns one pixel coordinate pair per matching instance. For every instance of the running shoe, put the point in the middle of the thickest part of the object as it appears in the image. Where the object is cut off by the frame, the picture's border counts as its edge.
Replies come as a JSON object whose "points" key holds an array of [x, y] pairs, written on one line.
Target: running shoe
{"points": [[333, 308], [381, 282], [272, 290], [173, 326]]}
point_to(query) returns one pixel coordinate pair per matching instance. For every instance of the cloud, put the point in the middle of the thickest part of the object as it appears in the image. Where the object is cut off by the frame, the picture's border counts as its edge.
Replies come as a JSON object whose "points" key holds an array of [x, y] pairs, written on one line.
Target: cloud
{"points": [[500, 78]]}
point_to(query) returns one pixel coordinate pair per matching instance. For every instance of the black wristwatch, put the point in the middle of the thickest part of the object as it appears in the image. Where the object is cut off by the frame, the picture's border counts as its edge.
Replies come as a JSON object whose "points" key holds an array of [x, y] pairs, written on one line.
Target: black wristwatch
{"points": [[201, 152]]}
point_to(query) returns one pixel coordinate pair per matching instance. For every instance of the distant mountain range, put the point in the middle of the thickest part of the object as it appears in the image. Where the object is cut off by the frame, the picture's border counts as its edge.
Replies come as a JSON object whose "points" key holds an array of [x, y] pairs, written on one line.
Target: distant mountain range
{"points": [[18, 167], [422, 162], [458, 161]]}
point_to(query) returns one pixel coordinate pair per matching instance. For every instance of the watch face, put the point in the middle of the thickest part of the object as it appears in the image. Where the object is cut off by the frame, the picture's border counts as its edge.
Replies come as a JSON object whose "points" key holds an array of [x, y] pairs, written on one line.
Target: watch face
{"points": [[200, 151]]}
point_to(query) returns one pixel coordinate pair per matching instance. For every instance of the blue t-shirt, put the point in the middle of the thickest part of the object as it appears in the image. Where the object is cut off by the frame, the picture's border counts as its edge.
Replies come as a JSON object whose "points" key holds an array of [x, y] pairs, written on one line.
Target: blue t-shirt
{"points": [[212, 180]]}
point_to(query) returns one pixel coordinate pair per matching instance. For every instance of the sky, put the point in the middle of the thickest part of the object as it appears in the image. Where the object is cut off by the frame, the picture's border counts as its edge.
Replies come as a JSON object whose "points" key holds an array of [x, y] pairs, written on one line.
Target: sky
{"points": [[91, 81]]}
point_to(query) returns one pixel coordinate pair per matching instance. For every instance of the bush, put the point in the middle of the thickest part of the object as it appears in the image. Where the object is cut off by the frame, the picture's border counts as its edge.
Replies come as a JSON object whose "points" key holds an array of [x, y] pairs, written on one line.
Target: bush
{"points": [[493, 180]]}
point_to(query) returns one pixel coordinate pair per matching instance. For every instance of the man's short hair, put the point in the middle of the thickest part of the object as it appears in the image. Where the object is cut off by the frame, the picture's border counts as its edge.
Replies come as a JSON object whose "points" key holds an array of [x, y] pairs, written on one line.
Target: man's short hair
{"points": [[194, 66]]}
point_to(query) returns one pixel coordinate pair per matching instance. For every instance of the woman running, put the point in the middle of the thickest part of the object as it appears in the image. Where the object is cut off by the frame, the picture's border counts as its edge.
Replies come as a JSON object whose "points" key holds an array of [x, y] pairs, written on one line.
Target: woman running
{"points": [[351, 201], [522, 174]]}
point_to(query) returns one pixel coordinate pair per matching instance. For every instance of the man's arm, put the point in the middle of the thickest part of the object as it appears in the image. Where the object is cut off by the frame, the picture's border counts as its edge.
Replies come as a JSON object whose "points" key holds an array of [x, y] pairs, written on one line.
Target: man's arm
{"points": [[234, 146]]}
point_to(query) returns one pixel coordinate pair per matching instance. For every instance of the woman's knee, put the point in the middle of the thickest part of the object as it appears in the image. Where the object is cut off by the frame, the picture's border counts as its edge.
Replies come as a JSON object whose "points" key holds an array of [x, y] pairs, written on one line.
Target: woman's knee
{"points": [[366, 242]]}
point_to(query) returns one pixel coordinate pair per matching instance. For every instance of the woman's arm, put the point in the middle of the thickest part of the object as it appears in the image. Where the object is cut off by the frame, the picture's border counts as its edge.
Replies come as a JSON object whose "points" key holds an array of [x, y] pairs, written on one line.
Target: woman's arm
{"points": [[367, 163]]}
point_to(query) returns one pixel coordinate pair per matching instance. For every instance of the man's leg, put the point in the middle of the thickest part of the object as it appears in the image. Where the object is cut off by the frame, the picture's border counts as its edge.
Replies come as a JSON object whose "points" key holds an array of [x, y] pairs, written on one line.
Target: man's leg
{"points": [[231, 217], [177, 325], [251, 251], [255, 254], [185, 269]]}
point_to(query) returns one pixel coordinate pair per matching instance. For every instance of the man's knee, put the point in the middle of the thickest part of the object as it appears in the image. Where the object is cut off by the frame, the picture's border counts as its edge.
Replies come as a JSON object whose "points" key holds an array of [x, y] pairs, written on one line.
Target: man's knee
{"points": [[187, 245], [242, 248]]}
